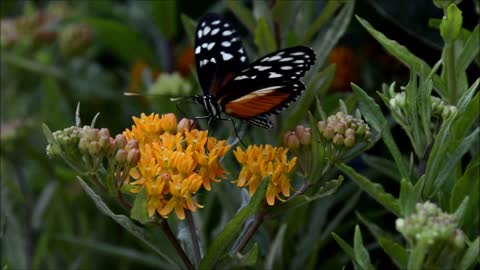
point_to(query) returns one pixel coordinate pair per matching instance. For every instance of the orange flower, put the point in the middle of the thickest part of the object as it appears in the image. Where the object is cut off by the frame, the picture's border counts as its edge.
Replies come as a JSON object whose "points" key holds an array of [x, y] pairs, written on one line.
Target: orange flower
{"points": [[173, 167], [265, 162], [137, 74]]}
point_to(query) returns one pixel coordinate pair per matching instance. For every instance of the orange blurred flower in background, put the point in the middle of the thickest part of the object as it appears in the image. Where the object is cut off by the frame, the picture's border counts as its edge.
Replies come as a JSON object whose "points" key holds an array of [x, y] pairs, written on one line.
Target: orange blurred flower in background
{"points": [[346, 68]]}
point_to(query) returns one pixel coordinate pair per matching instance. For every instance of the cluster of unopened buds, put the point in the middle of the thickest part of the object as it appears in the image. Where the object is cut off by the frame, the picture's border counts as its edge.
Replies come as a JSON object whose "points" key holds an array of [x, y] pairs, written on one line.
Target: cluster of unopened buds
{"points": [[301, 136], [429, 223], [439, 107], [91, 145], [344, 130]]}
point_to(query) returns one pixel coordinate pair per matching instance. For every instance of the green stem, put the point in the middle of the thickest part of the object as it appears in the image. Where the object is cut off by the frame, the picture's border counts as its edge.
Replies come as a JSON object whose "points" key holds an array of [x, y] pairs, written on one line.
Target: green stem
{"points": [[193, 234], [451, 73]]}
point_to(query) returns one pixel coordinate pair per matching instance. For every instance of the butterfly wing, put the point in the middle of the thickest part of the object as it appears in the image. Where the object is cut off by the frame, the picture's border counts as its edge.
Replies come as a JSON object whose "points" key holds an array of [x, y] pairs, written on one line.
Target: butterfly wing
{"points": [[219, 54], [267, 86]]}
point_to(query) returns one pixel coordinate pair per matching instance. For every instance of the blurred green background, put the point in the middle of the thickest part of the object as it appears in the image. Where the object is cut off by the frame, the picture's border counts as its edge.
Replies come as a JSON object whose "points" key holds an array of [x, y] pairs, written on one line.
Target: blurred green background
{"points": [[55, 54]]}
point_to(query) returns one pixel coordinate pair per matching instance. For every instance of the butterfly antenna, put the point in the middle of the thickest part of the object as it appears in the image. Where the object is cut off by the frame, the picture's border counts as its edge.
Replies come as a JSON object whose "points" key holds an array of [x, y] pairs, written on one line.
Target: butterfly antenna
{"points": [[236, 133]]}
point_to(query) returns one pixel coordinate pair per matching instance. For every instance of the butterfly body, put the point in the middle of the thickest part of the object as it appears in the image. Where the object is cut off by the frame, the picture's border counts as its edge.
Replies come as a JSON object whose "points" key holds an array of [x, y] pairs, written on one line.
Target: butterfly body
{"points": [[246, 91]]}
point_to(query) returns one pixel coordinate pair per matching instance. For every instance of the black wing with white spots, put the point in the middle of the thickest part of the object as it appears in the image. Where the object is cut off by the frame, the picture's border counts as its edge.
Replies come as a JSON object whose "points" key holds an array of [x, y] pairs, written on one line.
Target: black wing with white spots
{"points": [[273, 79], [219, 54]]}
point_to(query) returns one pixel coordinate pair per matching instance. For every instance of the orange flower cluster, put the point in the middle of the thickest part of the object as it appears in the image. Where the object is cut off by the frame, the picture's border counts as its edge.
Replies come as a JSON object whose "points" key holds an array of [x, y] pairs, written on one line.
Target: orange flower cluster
{"points": [[265, 161], [174, 165]]}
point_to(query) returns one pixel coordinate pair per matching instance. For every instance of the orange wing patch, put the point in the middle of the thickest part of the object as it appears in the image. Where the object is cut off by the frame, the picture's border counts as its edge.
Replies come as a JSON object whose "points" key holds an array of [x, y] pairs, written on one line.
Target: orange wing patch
{"points": [[256, 103]]}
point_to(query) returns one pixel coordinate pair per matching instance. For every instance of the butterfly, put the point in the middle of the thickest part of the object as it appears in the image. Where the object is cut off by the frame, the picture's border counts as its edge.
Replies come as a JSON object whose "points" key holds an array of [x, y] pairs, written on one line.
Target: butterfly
{"points": [[245, 91]]}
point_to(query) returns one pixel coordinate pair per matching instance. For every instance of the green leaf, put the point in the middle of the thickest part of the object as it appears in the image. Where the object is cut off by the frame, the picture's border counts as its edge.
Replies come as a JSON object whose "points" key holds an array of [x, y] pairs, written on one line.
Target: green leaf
{"points": [[469, 52], [121, 252], [361, 253], [275, 252], [382, 165], [328, 188], [121, 39], [404, 55], [127, 224], [374, 117], [242, 13], [326, 14], [264, 38], [437, 155], [48, 134], [164, 15], [139, 210], [374, 229], [467, 97], [327, 40], [471, 255], [189, 26], [451, 24], [375, 190], [346, 248], [417, 255], [235, 261], [452, 160], [408, 198], [466, 118], [224, 240], [468, 185], [320, 82], [461, 211], [42, 203], [396, 251]]}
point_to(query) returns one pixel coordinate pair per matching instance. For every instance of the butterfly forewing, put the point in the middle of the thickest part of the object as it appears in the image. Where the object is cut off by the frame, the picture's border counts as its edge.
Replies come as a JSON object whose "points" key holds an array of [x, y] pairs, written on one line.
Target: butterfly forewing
{"points": [[219, 54], [268, 85]]}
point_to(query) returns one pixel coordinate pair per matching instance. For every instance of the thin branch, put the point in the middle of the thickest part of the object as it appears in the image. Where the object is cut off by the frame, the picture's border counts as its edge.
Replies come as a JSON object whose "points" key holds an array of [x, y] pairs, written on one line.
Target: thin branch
{"points": [[259, 218], [193, 234], [173, 240]]}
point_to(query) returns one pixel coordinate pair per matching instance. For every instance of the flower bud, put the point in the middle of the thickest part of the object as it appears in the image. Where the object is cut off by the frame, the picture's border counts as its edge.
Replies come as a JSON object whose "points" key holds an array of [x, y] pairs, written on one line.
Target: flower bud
{"points": [[121, 156], [169, 122], [90, 133], [305, 136], [349, 140], [120, 141], [133, 157], [329, 132], [104, 132], [93, 148], [291, 140], [299, 130], [338, 139], [459, 239], [184, 124], [321, 126], [104, 143], [83, 145], [132, 144]]}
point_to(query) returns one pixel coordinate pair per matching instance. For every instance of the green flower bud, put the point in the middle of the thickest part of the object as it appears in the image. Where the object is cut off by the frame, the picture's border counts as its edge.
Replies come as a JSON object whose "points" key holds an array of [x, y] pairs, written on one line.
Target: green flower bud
{"points": [[93, 148], [83, 145], [338, 139], [104, 143], [329, 132], [349, 140], [121, 156], [321, 126]]}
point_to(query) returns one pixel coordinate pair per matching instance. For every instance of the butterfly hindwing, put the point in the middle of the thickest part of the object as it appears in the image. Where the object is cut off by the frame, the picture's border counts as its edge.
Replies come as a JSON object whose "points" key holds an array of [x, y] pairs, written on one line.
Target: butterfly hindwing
{"points": [[219, 54], [268, 85]]}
